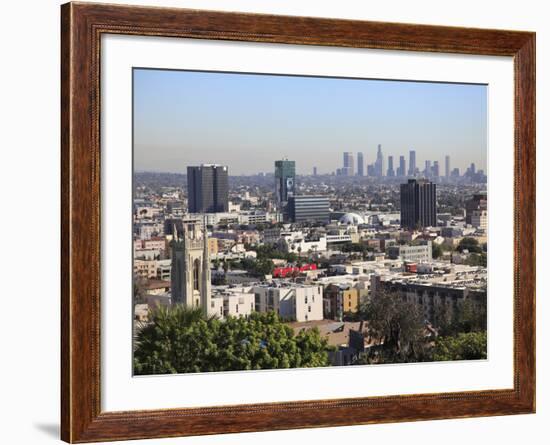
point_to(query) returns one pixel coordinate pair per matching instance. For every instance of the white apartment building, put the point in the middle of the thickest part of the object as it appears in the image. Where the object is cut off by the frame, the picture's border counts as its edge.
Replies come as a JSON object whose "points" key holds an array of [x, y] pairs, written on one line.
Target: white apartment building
{"points": [[291, 301], [234, 303]]}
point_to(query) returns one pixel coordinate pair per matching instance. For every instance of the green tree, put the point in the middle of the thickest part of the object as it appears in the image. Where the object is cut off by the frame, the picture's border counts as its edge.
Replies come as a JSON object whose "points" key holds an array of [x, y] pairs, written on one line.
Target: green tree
{"points": [[139, 289], [180, 340], [465, 346], [266, 251], [396, 325], [470, 244], [258, 267], [464, 318], [437, 251], [477, 259]]}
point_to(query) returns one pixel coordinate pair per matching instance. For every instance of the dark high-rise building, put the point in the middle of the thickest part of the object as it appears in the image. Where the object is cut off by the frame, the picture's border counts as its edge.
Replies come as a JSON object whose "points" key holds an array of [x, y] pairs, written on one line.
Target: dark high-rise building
{"points": [[402, 169], [360, 165], [379, 164], [412, 163], [447, 166], [348, 169], [306, 208], [285, 179], [390, 171], [418, 204], [208, 189], [314, 171]]}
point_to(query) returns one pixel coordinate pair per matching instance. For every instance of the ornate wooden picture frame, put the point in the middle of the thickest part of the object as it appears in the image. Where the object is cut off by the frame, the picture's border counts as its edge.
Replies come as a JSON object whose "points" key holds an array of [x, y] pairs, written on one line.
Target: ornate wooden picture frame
{"points": [[82, 26]]}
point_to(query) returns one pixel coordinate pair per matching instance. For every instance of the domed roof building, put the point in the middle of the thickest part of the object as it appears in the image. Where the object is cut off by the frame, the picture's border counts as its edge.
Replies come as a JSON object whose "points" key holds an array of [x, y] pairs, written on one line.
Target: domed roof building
{"points": [[352, 219]]}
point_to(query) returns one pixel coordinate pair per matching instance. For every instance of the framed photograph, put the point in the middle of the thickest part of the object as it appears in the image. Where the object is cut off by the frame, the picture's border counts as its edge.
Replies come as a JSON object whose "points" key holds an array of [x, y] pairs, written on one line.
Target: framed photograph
{"points": [[275, 222]]}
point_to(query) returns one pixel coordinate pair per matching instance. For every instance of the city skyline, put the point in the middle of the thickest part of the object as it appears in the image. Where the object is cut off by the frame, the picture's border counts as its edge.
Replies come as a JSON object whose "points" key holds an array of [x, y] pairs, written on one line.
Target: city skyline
{"points": [[187, 118]]}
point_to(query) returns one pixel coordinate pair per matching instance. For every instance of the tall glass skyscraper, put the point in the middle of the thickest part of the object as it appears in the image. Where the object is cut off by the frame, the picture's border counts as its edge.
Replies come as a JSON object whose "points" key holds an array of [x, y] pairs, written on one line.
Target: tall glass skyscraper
{"points": [[379, 164], [360, 165], [412, 163], [349, 169], [208, 188], [285, 180], [402, 170], [390, 171]]}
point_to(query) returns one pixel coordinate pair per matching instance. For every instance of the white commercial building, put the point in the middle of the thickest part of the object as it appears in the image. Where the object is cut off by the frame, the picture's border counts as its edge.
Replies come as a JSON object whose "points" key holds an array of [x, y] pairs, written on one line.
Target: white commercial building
{"points": [[254, 217], [297, 242], [479, 219], [417, 253], [291, 301]]}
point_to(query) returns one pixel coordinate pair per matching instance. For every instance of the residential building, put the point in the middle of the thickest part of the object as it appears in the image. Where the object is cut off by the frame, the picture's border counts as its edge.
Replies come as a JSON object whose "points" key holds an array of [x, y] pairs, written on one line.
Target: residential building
{"points": [[293, 302], [433, 295], [232, 302], [340, 299]]}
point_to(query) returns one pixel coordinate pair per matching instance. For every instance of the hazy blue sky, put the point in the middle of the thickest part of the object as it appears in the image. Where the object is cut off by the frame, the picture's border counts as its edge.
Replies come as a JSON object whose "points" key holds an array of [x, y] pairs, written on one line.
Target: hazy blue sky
{"points": [[247, 121]]}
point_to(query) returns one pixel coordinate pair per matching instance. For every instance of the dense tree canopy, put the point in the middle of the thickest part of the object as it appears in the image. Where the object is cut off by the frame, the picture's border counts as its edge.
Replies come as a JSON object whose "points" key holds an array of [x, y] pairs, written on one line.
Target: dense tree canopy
{"points": [[464, 318], [477, 259], [397, 326], [401, 334], [465, 346], [180, 340], [469, 244], [267, 251], [258, 267], [437, 251]]}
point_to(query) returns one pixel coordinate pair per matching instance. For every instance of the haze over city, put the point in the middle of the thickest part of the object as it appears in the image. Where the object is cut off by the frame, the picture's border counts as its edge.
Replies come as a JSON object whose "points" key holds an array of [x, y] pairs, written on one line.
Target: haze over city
{"points": [[246, 121]]}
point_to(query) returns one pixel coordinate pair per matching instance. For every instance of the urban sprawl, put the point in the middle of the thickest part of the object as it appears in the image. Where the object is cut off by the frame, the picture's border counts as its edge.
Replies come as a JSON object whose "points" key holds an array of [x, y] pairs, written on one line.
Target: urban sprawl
{"points": [[352, 258]]}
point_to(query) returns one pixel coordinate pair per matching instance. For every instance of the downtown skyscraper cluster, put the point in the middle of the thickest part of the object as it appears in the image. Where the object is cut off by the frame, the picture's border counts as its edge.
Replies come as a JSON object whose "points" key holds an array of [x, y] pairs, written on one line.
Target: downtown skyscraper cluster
{"points": [[397, 168], [377, 168]]}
